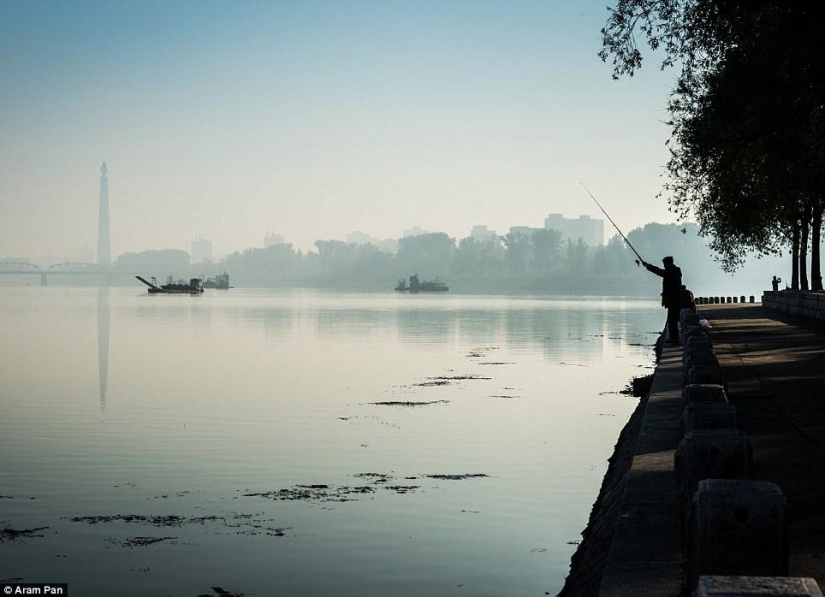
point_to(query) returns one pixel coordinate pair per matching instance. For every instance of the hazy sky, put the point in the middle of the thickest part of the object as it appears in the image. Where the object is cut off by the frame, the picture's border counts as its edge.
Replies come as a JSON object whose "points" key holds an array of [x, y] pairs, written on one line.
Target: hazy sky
{"points": [[226, 119]]}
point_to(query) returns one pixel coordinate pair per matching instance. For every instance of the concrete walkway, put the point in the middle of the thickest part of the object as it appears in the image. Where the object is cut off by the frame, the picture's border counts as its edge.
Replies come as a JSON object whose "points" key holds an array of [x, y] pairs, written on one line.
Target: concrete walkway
{"points": [[775, 369]]}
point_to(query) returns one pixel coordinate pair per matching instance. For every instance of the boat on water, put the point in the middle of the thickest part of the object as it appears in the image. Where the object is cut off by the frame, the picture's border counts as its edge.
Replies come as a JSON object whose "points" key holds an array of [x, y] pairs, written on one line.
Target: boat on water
{"points": [[173, 287], [416, 285], [220, 282]]}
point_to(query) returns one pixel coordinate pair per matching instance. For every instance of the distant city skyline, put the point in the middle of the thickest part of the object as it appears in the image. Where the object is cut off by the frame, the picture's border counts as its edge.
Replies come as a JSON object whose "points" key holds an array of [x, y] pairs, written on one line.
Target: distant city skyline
{"points": [[590, 230], [315, 119]]}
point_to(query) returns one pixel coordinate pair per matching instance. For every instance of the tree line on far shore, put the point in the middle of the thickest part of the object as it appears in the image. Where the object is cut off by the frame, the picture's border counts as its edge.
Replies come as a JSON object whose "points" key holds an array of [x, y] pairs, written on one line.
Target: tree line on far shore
{"points": [[541, 257]]}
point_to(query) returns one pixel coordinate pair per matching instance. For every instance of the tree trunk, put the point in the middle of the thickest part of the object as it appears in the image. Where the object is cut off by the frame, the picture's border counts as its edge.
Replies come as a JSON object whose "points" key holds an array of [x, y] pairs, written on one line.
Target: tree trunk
{"points": [[803, 254], [795, 257], [816, 269]]}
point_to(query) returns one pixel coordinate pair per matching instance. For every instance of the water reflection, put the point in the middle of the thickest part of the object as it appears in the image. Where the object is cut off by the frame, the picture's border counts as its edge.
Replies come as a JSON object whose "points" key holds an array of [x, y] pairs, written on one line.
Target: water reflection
{"points": [[225, 398], [569, 328], [103, 320]]}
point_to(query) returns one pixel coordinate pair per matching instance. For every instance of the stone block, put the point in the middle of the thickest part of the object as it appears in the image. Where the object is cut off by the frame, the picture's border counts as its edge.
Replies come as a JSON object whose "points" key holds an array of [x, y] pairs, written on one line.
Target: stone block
{"points": [[699, 358], [705, 374], [708, 415], [693, 393], [696, 342], [711, 454], [688, 316], [697, 355], [755, 586], [736, 528], [690, 331]]}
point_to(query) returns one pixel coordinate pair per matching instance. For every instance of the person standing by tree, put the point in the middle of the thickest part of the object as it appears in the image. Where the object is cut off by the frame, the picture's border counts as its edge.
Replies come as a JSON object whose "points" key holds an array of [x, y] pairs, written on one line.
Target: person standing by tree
{"points": [[671, 294]]}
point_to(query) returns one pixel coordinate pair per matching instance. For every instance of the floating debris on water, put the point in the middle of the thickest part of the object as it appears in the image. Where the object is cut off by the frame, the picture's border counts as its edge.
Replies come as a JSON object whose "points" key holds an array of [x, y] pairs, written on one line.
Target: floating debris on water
{"points": [[505, 396], [496, 363], [426, 384]]}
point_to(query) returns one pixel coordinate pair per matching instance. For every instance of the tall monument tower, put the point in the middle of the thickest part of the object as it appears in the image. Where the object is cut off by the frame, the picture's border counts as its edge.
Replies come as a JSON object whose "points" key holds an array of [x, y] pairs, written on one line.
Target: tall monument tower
{"points": [[104, 245]]}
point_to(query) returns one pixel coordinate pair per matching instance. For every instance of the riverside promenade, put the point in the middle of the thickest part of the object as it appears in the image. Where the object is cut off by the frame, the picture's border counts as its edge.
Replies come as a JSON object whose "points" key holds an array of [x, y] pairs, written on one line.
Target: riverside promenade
{"points": [[774, 366]]}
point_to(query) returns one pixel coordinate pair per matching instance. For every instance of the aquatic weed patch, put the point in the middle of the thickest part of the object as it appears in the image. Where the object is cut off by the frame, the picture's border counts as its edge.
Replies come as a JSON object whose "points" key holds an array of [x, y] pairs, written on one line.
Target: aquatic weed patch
{"points": [[152, 520], [144, 541], [221, 592], [10, 534], [461, 477], [315, 493], [458, 377], [242, 524], [321, 493], [410, 403]]}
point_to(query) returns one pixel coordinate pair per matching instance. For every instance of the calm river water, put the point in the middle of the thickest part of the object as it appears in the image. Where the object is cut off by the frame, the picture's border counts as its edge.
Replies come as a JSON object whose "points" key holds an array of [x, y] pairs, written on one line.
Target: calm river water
{"points": [[264, 442]]}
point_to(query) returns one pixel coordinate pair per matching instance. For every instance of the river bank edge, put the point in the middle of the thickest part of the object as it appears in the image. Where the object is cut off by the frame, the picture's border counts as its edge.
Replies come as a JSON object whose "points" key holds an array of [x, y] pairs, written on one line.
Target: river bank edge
{"points": [[588, 562]]}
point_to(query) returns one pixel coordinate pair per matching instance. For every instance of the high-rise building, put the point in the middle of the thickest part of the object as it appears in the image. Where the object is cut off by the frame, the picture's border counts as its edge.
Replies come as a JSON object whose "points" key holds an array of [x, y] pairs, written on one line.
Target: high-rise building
{"points": [[360, 238], [201, 250], [414, 231], [271, 239], [590, 230], [522, 230], [104, 246], [482, 233]]}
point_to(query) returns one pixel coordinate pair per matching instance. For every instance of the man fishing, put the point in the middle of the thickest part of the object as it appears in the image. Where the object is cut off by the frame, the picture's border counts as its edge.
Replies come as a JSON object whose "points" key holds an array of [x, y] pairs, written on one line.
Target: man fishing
{"points": [[671, 280], [671, 293]]}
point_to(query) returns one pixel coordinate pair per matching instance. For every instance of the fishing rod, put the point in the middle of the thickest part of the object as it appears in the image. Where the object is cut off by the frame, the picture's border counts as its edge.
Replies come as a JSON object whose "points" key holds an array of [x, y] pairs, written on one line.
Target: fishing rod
{"points": [[612, 222]]}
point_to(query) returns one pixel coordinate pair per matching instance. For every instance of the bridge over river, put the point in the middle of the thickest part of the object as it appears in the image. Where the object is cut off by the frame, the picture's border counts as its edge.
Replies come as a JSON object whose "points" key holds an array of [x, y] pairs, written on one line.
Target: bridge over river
{"points": [[22, 268]]}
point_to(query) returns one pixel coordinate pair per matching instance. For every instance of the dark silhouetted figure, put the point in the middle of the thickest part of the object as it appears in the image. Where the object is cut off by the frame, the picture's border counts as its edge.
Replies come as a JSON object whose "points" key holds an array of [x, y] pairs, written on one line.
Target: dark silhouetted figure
{"points": [[671, 293], [775, 283]]}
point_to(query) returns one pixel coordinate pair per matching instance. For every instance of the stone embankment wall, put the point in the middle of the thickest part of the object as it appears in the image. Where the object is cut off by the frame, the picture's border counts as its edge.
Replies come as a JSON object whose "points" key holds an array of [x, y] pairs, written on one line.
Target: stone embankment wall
{"points": [[680, 512], [588, 563], [796, 302]]}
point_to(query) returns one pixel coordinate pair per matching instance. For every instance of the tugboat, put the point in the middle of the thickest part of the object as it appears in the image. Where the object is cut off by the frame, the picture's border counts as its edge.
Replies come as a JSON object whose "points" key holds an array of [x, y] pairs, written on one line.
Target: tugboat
{"points": [[172, 287], [416, 285], [220, 282]]}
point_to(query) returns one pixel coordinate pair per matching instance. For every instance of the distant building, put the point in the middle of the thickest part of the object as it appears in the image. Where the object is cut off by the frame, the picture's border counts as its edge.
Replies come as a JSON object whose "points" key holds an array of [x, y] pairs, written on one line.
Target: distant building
{"points": [[522, 230], [271, 239], [390, 245], [590, 230], [86, 255], [415, 231], [361, 238], [201, 250], [482, 233]]}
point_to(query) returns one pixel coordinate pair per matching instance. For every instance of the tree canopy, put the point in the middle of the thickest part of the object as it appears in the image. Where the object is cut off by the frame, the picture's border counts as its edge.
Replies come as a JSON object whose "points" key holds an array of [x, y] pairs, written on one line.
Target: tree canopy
{"points": [[747, 114]]}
